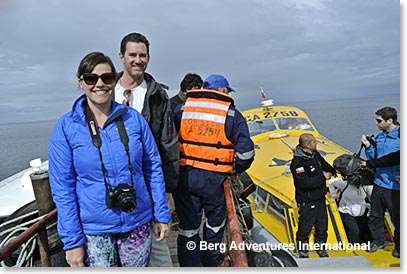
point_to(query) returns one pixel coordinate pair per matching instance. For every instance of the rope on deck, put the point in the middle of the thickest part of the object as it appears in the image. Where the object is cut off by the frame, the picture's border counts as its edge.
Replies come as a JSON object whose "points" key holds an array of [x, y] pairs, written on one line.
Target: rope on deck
{"points": [[12, 243], [27, 248]]}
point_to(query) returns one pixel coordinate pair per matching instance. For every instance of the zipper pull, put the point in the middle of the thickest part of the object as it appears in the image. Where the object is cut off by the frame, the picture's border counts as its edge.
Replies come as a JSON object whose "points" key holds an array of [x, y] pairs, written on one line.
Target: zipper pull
{"points": [[107, 135]]}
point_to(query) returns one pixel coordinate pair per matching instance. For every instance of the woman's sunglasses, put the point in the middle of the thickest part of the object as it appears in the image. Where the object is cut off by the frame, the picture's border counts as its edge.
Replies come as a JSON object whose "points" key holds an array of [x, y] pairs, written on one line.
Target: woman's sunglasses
{"points": [[92, 78]]}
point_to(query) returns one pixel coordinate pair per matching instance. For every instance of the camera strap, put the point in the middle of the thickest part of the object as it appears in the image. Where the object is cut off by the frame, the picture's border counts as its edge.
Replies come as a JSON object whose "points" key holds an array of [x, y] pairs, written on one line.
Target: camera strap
{"points": [[341, 194], [124, 138], [97, 141]]}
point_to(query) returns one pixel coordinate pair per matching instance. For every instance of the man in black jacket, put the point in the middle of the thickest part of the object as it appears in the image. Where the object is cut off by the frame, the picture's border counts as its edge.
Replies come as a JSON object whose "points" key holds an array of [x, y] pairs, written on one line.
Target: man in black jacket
{"points": [[190, 81], [139, 90], [310, 172]]}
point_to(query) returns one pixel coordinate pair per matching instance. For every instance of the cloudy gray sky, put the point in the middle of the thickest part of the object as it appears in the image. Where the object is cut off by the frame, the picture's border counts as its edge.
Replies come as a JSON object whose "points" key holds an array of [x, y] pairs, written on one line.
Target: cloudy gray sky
{"points": [[297, 50]]}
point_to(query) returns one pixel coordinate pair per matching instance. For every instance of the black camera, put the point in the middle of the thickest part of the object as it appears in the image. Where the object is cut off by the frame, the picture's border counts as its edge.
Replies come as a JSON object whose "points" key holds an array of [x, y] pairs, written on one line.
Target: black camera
{"points": [[371, 140], [123, 196]]}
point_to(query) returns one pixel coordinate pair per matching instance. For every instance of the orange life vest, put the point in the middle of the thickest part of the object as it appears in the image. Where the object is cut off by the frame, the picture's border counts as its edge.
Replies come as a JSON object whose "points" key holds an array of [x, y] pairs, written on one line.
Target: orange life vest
{"points": [[202, 138]]}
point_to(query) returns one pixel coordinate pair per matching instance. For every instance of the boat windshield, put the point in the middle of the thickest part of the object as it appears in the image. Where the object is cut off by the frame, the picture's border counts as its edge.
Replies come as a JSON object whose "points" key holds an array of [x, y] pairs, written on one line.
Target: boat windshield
{"points": [[294, 124], [261, 126]]}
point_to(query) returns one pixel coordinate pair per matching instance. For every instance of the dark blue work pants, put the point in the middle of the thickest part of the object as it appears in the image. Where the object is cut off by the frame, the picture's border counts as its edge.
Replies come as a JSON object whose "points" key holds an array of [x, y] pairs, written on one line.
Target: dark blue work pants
{"points": [[199, 191]]}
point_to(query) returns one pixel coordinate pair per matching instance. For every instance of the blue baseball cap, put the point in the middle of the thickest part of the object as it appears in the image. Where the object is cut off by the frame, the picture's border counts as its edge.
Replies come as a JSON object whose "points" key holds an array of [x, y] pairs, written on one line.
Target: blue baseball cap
{"points": [[218, 81]]}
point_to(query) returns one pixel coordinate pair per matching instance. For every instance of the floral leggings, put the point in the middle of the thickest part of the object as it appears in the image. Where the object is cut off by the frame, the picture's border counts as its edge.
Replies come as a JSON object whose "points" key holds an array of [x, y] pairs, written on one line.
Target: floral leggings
{"points": [[132, 248]]}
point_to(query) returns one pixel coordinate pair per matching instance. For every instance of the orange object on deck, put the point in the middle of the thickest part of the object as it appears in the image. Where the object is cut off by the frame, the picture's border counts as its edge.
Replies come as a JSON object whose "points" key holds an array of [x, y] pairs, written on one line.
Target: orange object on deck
{"points": [[239, 258]]}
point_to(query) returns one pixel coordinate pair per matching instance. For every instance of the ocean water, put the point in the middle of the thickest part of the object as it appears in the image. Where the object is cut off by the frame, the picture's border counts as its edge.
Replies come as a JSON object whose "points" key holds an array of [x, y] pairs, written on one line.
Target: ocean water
{"points": [[22, 142], [342, 121]]}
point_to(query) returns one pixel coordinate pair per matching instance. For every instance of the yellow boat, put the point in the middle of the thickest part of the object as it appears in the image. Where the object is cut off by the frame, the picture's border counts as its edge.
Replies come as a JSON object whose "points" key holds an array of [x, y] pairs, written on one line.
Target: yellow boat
{"points": [[275, 131]]}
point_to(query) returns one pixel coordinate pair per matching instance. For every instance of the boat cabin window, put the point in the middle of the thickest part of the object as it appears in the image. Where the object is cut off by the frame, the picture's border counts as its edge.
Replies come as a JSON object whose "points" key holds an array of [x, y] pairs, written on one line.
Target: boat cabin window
{"points": [[260, 197], [261, 126], [276, 205], [294, 124]]}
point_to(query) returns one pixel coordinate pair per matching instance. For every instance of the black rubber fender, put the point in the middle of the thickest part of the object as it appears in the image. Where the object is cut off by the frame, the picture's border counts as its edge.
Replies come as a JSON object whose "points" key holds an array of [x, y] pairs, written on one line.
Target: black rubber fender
{"points": [[277, 258]]}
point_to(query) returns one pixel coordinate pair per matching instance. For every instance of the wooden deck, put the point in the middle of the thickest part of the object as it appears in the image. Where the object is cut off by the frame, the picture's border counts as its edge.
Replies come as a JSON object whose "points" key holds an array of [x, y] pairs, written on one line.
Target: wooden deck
{"points": [[172, 245], [172, 242], [232, 233]]}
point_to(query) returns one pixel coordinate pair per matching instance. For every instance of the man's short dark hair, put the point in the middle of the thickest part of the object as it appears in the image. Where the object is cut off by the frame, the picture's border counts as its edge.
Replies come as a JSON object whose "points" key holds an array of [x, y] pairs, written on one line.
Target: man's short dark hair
{"points": [[190, 81], [136, 38], [388, 113], [305, 139]]}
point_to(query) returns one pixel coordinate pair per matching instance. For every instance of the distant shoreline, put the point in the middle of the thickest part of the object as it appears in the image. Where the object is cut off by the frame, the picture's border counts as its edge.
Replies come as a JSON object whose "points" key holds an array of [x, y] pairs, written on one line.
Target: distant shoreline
{"points": [[299, 102], [241, 107], [28, 122]]}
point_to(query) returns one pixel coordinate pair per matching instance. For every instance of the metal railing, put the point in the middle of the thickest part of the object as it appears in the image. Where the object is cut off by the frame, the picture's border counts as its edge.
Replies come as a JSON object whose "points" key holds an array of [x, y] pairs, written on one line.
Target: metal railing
{"points": [[24, 237]]}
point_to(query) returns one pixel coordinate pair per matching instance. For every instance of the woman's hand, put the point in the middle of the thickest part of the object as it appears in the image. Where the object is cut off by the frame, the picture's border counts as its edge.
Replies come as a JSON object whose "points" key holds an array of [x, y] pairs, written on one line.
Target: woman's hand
{"points": [[74, 256], [161, 231], [327, 175], [362, 164]]}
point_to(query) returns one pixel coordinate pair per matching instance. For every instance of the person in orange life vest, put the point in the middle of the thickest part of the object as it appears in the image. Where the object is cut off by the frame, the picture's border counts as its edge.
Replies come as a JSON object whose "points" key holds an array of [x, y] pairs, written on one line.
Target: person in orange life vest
{"points": [[190, 81], [214, 143]]}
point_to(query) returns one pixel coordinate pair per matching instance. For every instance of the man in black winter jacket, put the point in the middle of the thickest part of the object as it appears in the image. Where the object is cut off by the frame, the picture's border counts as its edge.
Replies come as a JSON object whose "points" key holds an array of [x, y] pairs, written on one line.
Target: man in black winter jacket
{"points": [[139, 90], [310, 172], [190, 81]]}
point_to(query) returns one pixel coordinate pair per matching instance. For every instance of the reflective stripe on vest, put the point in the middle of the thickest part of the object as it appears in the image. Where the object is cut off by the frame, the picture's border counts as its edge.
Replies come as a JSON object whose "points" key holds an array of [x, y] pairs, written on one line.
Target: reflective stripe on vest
{"points": [[203, 142]]}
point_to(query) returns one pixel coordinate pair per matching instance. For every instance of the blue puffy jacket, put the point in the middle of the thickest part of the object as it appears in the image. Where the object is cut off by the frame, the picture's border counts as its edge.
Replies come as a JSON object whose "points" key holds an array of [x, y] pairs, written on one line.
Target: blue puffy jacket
{"points": [[386, 177], [77, 181]]}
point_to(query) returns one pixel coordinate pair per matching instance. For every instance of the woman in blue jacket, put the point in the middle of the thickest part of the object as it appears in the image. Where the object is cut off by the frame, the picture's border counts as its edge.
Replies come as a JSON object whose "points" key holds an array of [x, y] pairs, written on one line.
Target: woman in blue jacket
{"points": [[105, 174]]}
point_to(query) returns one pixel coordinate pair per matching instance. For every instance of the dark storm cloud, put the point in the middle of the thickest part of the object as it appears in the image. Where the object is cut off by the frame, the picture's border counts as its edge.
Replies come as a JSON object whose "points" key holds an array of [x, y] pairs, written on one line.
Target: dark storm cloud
{"points": [[296, 50]]}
